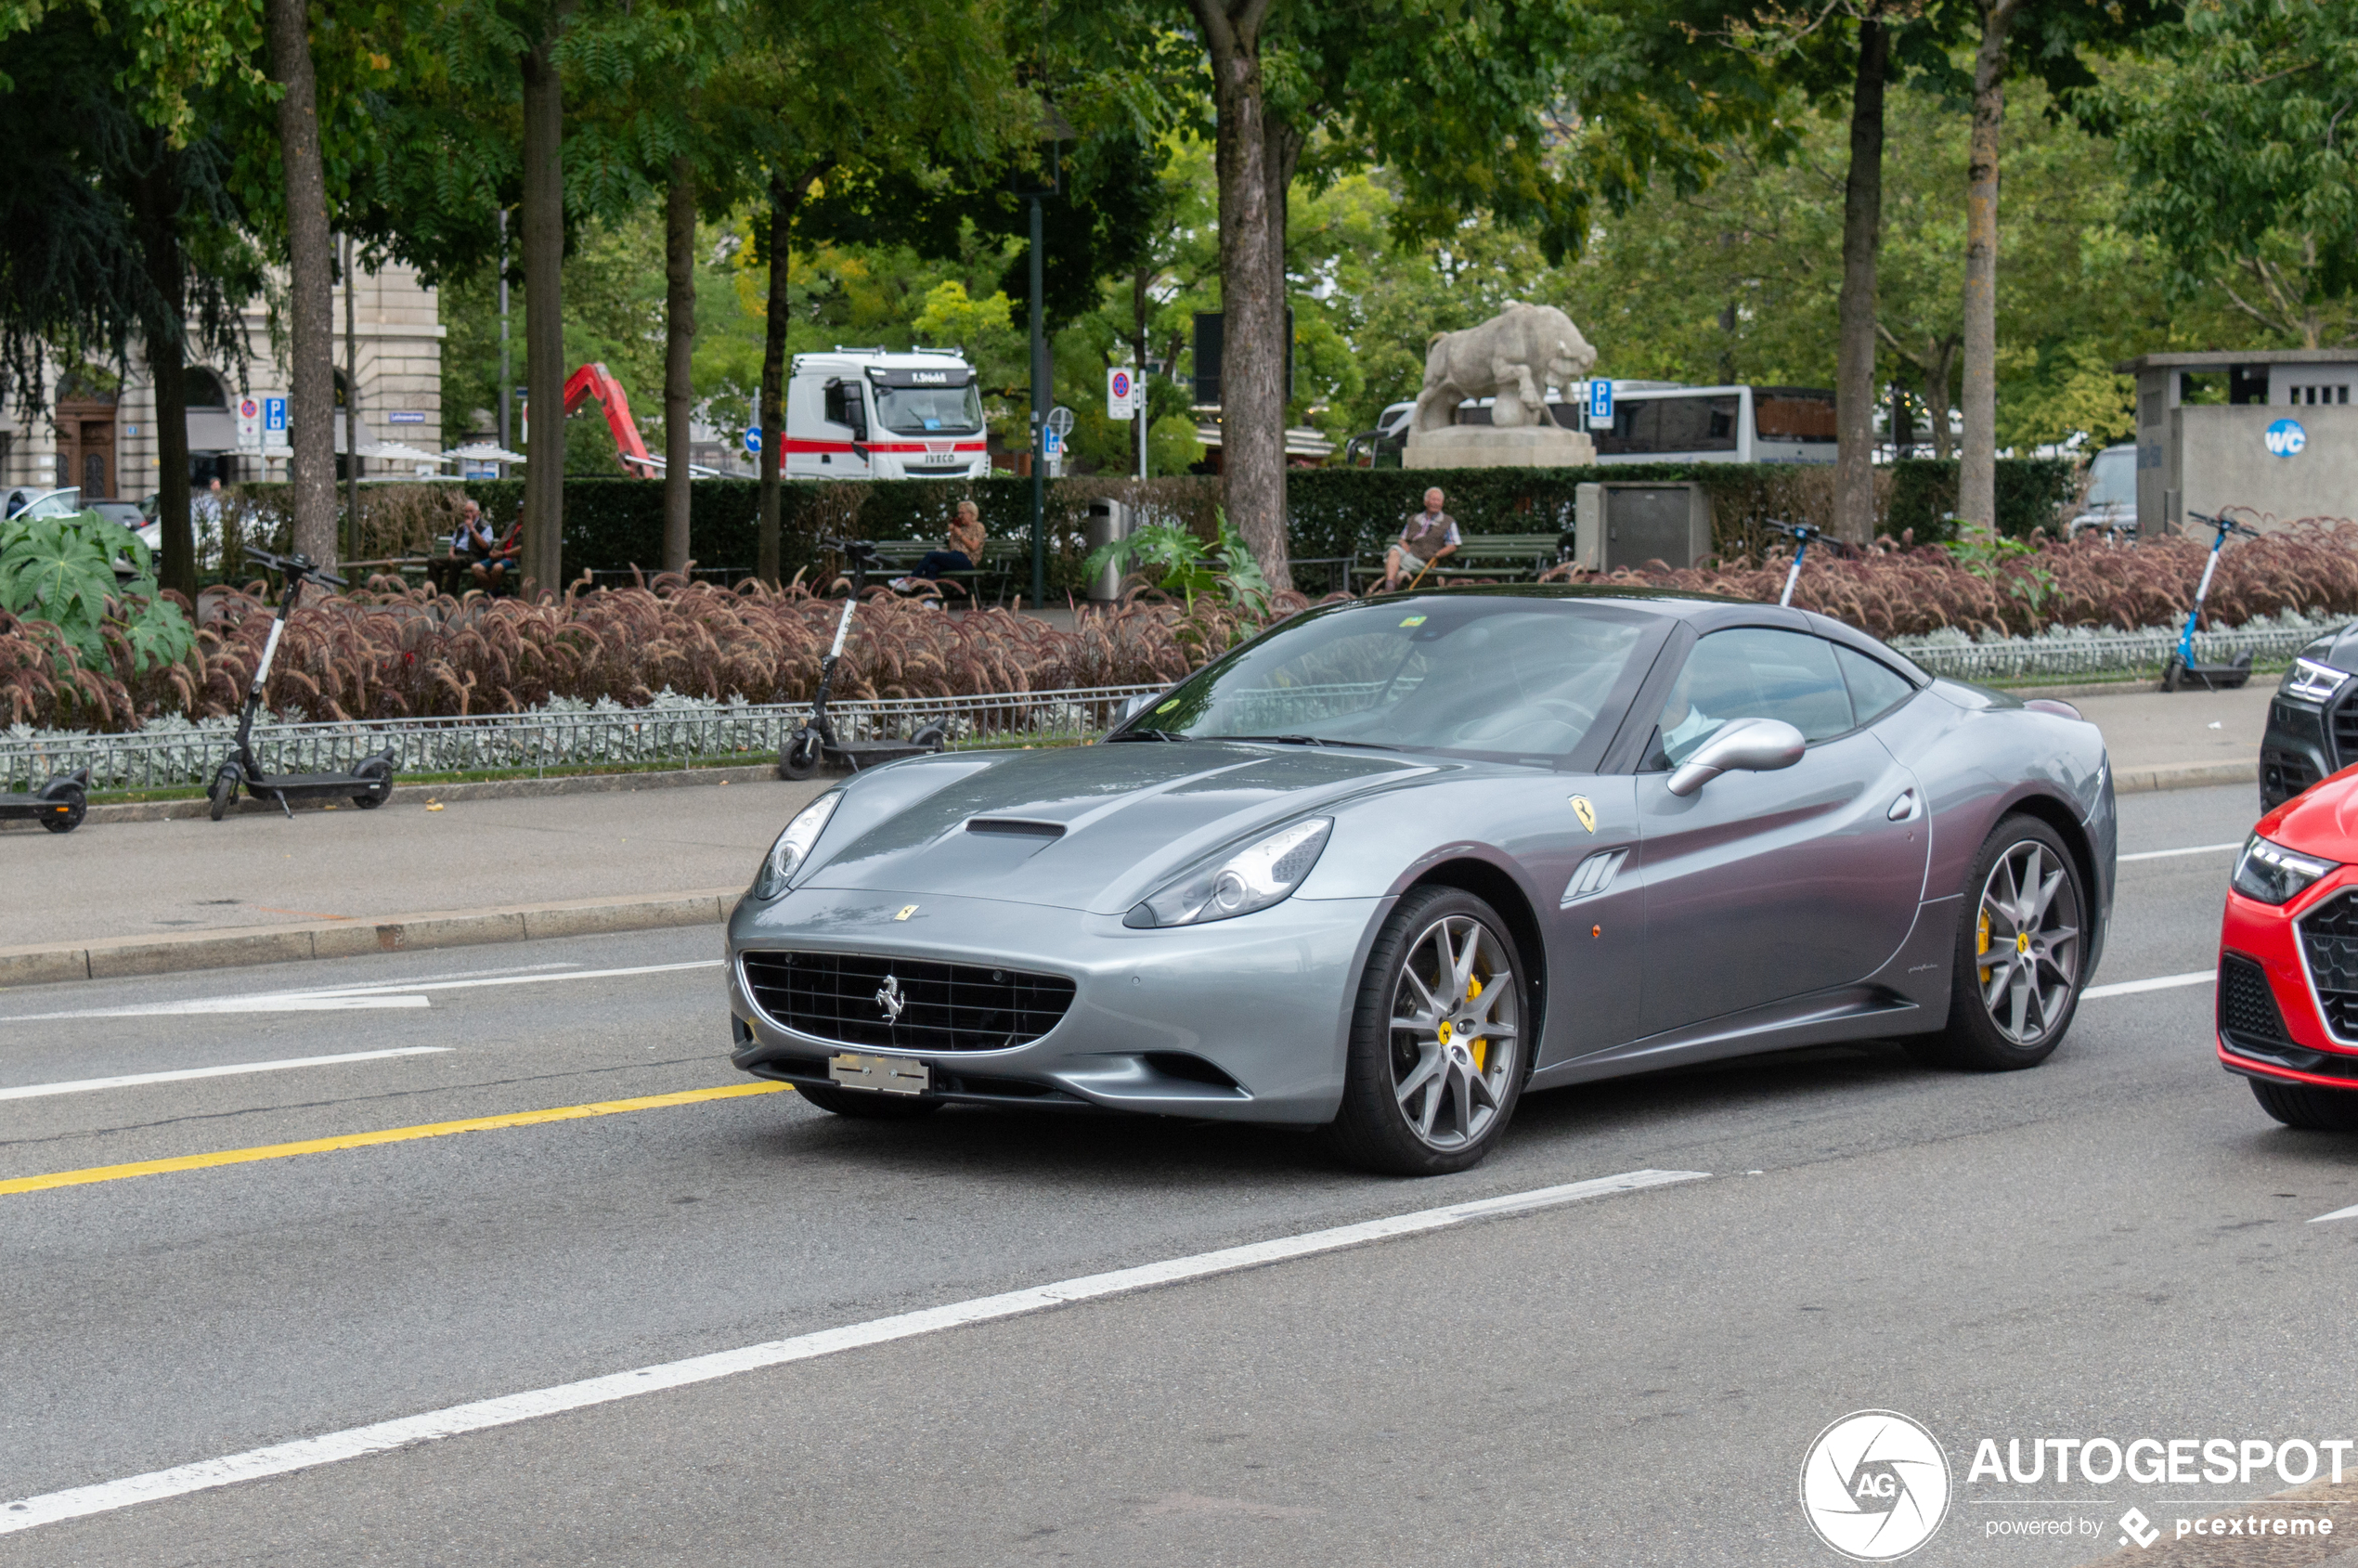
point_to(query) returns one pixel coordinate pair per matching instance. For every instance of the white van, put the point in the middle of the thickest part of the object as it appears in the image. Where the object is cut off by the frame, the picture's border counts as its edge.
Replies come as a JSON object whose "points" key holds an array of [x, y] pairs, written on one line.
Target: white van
{"points": [[867, 413]]}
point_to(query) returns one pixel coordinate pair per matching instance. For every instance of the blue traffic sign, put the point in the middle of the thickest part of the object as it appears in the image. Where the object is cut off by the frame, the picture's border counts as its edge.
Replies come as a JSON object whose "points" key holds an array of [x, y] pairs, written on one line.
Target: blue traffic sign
{"points": [[2285, 438], [1600, 402], [753, 439], [273, 413]]}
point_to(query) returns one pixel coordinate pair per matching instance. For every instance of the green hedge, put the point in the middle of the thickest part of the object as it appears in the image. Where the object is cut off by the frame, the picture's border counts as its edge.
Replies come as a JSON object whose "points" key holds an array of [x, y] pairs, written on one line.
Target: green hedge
{"points": [[616, 523]]}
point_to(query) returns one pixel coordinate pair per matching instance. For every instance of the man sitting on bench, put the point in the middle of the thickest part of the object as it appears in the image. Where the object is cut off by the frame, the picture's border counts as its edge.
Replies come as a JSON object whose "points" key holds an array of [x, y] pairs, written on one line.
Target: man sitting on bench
{"points": [[965, 549], [1429, 536]]}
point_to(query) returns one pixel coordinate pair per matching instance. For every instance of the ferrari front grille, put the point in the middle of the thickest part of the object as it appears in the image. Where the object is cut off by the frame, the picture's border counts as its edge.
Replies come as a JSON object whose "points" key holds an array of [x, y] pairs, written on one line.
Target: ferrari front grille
{"points": [[2329, 941], [2248, 1015], [915, 1004]]}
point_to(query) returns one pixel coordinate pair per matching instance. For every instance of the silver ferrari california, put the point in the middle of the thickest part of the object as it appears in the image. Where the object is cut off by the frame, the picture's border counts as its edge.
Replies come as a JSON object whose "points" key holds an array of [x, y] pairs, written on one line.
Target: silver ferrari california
{"points": [[1393, 864]]}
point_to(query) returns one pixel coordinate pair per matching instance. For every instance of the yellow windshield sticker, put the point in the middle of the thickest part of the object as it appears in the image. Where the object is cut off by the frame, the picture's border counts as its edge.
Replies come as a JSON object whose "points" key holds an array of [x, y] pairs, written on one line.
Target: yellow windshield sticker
{"points": [[1413, 621], [1169, 706]]}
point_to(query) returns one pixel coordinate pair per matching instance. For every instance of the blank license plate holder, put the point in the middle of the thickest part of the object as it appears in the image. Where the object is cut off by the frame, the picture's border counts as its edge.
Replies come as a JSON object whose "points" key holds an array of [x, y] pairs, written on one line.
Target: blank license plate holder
{"points": [[888, 1075]]}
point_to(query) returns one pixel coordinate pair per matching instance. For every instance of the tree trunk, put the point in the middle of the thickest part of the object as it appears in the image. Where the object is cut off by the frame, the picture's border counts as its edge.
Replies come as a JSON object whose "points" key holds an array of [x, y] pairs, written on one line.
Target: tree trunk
{"points": [[679, 356], [156, 200], [310, 285], [785, 196], [352, 399], [1854, 353], [544, 332], [1253, 363], [1977, 472]]}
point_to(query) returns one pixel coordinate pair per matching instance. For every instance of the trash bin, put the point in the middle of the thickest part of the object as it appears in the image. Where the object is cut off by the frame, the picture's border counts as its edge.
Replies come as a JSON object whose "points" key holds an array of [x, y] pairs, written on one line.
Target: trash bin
{"points": [[1108, 520]]}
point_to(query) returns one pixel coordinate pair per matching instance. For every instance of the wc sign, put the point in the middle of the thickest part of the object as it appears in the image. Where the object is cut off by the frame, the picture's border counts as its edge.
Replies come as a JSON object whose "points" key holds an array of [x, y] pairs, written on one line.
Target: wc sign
{"points": [[2285, 438]]}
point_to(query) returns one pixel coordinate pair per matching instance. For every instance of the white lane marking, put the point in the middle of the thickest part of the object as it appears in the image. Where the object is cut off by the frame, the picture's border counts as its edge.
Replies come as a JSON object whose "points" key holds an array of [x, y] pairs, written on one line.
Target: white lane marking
{"points": [[133, 1080], [390, 994], [2160, 982], [2351, 1212], [2165, 854], [308, 1453]]}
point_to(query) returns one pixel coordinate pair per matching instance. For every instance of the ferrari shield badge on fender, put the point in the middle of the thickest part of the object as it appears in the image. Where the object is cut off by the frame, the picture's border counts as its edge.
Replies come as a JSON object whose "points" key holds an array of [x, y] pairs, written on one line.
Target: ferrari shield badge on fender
{"points": [[1585, 813]]}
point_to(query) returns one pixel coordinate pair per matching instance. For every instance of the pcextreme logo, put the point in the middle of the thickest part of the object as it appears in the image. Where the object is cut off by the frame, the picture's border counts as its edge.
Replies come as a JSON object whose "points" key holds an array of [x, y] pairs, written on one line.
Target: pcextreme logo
{"points": [[1874, 1485]]}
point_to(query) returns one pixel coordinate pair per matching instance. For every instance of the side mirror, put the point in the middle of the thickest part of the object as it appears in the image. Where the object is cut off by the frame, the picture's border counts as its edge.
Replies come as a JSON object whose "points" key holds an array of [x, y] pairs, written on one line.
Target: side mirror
{"points": [[1754, 746]]}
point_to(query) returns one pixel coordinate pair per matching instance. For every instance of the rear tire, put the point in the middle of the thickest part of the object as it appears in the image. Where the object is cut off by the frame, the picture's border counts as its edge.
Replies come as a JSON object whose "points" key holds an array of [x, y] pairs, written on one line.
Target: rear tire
{"points": [[867, 1105], [2299, 1104], [2017, 966], [1439, 1048], [76, 804], [379, 772]]}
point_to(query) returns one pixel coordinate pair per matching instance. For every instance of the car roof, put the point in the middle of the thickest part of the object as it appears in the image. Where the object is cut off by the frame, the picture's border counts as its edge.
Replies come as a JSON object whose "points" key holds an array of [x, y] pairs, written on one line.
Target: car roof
{"points": [[1705, 612]]}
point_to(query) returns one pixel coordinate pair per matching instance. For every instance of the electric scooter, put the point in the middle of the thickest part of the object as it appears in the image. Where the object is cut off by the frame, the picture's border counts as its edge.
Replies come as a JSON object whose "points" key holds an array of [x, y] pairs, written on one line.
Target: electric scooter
{"points": [[58, 805], [2182, 668], [368, 786], [1801, 534], [815, 738]]}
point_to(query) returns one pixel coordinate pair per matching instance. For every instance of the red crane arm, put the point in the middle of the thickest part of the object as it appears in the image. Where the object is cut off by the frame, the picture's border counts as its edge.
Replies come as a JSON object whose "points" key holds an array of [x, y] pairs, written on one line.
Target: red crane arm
{"points": [[597, 381]]}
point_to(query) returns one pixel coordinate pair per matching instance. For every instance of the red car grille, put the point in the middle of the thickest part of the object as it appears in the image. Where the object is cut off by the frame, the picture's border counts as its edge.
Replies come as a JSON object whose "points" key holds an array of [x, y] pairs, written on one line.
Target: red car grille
{"points": [[2248, 1017], [941, 1007], [2329, 941]]}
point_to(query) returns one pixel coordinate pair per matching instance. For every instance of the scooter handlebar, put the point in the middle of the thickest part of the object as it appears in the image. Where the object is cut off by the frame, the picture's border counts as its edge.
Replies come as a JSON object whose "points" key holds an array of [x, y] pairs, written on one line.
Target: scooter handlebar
{"points": [[2224, 525], [296, 565]]}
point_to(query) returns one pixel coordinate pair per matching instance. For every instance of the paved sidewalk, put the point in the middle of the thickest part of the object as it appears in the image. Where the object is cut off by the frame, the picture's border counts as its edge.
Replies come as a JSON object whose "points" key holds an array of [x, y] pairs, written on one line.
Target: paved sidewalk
{"points": [[143, 896]]}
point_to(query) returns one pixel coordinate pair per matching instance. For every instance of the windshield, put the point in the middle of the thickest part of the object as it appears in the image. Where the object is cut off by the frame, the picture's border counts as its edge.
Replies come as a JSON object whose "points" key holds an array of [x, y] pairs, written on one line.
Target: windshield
{"points": [[928, 410], [1490, 677], [2112, 478]]}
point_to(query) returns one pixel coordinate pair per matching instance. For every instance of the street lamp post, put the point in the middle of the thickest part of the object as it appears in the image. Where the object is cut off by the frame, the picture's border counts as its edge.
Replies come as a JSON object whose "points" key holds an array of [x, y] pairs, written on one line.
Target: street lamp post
{"points": [[1039, 423]]}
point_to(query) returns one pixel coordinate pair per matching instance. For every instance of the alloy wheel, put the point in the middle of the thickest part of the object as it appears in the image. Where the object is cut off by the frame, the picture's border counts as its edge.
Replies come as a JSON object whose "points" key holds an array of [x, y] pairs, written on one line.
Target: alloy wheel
{"points": [[2028, 945], [1454, 1039]]}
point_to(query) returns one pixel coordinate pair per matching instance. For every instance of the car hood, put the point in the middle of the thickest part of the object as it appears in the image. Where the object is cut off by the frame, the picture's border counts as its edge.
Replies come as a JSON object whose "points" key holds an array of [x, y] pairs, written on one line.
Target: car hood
{"points": [[1081, 827], [2320, 820]]}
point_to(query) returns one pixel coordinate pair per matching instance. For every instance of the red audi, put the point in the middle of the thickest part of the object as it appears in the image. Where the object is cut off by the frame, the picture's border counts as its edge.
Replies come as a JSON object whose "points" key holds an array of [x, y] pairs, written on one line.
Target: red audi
{"points": [[2288, 960]]}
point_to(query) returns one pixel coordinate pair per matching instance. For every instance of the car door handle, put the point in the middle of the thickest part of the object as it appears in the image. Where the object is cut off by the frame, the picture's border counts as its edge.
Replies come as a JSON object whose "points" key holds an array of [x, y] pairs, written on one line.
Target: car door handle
{"points": [[1905, 809]]}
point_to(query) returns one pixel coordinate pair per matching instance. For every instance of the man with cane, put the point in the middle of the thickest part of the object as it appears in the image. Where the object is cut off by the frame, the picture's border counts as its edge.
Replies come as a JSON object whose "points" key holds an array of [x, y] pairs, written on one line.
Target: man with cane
{"points": [[1427, 537]]}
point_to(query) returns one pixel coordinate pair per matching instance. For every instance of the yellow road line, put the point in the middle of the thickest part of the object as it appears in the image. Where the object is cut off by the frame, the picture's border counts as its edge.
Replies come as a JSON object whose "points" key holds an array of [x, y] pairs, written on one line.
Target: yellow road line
{"points": [[388, 1135]]}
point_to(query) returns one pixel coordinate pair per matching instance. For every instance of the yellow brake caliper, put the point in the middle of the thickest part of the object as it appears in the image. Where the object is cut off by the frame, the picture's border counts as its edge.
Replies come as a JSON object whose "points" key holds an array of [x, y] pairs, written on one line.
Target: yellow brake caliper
{"points": [[1983, 948], [1481, 1048]]}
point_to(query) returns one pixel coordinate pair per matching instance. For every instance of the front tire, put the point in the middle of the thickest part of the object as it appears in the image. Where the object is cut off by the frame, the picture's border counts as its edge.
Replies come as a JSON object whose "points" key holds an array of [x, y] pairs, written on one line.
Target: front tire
{"points": [[224, 792], [1438, 1053], [867, 1105], [798, 758], [2017, 968], [2315, 1110]]}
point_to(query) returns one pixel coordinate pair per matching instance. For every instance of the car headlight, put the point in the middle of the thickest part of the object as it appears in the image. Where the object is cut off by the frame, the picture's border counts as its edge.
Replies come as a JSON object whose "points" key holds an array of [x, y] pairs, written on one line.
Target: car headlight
{"points": [[2273, 873], [1251, 879], [2308, 682], [793, 848]]}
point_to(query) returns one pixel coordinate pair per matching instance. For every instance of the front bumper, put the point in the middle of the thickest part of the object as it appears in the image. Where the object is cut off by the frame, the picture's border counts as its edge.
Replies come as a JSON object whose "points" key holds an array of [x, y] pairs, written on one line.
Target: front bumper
{"points": [[2296, 1045], [1263, 1000]]}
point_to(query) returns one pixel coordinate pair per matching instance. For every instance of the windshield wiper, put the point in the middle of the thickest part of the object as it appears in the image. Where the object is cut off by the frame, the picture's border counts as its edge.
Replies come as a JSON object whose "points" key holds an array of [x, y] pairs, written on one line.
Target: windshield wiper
{"points": [[1312, 739], [1147, 735]]}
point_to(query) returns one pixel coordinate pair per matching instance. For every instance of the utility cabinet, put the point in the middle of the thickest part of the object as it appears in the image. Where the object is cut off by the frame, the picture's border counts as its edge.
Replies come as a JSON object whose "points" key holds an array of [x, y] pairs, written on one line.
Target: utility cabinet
{"points": [[1617, 525]]}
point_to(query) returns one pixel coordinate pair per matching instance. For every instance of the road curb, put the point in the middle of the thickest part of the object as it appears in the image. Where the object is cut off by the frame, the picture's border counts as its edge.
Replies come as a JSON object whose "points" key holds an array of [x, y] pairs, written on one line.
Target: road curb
{"points": [[2185, 775], [119, 958], [418, 794]]}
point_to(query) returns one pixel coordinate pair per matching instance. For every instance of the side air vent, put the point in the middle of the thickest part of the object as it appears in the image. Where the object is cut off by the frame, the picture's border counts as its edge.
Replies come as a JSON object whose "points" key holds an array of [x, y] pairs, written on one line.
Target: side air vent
{"points": [[1595, 874], [1015, 827]]}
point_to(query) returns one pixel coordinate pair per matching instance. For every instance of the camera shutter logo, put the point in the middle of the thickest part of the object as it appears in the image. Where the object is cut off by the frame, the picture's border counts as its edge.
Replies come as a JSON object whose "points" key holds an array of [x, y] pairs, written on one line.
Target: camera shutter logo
{"points": [[1874, 1485]]}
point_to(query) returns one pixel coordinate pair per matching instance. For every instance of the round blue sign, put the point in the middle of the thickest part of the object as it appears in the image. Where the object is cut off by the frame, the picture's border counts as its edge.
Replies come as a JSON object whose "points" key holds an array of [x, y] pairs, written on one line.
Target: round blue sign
{"points": [[2285, 438], [753, 439]]}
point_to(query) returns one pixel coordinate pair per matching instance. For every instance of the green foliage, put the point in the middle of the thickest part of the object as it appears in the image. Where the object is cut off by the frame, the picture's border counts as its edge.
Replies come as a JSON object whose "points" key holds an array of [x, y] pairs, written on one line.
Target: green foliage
{"points": [[1176, 560], [2031, 494], [62, 570]]}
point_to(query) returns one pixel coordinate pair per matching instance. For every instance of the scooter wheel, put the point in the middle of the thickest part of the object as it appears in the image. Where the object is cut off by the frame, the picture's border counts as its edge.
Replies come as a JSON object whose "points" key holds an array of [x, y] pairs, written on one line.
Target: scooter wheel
{"points": [[379, 772], [75, 804], [2171, 674], [933, 737], [224, 793], [798, 758]]}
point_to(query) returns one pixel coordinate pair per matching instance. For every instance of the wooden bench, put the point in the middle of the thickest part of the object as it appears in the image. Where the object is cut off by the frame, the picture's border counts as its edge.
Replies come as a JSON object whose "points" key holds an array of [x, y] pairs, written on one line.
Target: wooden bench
{"points": [[1003, 561], [1515, 557]]}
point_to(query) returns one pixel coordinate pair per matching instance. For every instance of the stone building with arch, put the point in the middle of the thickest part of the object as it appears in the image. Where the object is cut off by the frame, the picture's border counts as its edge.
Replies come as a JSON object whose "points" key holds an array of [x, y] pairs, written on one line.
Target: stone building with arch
{"points": [[101, 437]]}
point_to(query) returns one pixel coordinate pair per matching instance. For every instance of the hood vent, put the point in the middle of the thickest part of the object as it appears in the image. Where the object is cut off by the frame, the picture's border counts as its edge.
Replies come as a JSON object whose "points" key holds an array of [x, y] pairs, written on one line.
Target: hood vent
{"points": [[1015, 827]]}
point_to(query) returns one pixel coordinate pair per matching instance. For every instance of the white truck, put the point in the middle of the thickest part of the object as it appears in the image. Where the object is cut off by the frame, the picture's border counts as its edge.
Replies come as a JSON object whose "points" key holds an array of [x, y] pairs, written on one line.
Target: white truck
{"points": [[869, 413]]}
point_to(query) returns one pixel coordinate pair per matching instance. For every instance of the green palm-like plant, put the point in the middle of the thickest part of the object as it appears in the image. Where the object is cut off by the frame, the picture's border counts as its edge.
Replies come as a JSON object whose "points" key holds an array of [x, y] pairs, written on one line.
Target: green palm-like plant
{"points": [[62, 570]]}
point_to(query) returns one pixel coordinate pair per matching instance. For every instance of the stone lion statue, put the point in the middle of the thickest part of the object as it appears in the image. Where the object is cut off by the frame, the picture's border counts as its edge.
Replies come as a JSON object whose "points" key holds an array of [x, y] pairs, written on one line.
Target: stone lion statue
{"points": [[1515, 357]]}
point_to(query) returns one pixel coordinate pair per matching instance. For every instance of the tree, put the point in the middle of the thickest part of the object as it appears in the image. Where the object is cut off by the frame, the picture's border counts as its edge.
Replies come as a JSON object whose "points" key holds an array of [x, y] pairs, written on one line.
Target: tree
{"points": [[311, 373], [2239, 144]]}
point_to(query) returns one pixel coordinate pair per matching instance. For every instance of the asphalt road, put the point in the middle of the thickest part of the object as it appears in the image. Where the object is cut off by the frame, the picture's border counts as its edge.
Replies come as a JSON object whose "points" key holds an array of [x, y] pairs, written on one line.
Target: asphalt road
{"points": [[2116, 1242]]}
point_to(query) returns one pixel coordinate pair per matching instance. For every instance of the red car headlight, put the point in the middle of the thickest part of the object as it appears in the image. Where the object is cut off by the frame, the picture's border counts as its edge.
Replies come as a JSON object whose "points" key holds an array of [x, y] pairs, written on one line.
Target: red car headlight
{"points": [[2274, 875]]}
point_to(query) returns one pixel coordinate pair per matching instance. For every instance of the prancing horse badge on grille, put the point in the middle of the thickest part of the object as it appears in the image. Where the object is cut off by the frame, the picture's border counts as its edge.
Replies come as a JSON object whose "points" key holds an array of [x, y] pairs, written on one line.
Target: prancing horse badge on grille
{"points": [[891, 1001]]}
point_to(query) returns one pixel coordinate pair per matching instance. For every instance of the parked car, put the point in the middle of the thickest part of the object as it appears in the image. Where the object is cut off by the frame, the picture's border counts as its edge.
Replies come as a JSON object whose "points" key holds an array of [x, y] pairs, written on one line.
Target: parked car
{"points": [[2111, 506], [2312, 723], [1394, 862], [2287, 1017]]}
